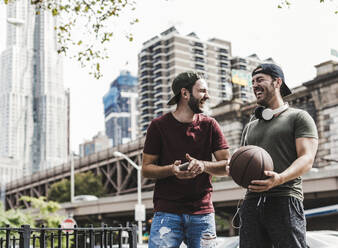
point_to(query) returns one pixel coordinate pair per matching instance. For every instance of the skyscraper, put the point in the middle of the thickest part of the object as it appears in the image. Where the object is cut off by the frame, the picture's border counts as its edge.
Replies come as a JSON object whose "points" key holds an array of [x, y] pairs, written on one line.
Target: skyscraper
{"points": [[165, 56], [33, 102], [120, 109]]}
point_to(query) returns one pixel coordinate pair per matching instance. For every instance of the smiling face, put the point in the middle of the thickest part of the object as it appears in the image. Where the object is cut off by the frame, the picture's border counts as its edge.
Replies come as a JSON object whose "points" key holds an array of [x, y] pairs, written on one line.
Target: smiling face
{"points": [[264, 88], [198, 96]]}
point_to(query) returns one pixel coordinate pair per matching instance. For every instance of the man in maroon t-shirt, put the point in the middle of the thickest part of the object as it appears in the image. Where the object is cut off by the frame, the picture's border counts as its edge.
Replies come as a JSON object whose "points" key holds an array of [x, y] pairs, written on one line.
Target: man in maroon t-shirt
{"points": [[182, 198]]}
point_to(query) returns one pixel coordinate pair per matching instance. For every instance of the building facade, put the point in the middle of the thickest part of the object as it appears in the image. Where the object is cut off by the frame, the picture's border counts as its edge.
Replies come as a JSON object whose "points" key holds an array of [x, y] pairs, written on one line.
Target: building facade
{"points": [[120, 109], [33, 102], [10, 169], [98, 143], [165, 56]]}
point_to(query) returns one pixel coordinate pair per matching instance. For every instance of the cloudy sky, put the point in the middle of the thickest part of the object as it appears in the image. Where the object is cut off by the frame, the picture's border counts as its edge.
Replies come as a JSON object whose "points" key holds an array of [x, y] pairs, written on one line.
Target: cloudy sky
{"points": [[297, 38]]}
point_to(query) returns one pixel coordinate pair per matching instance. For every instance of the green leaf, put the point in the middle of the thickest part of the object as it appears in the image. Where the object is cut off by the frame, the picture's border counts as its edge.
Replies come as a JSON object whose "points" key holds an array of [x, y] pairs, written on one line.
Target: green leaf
{"points": [[79, 43], [55, 12]]}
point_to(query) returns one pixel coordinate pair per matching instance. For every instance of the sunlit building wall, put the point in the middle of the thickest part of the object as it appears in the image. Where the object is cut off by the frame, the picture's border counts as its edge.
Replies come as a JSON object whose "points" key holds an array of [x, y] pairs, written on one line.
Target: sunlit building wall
{"points": [[33, 102]]}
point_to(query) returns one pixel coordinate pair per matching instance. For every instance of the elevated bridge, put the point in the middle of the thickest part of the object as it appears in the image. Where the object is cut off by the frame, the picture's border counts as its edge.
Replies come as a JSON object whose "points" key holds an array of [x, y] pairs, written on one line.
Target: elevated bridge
{"points": [[118, 176], [318, 185], [320, 189]]}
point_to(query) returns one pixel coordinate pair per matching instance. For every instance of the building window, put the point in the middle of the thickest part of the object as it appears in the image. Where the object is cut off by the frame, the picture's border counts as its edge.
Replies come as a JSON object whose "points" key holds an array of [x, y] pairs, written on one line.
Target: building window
{"points": [[199, 59], [223, 57], [157, 51], [222, 72], [198, 51], [222, 50], [159, 66], [198, 44], [143, 58], [159, 74], [199, 67], [223, 65], [145, 73]]}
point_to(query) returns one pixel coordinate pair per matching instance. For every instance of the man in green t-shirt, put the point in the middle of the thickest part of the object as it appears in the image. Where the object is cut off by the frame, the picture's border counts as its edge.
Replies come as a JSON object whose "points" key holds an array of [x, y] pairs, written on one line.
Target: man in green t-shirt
{"points": [[272, 212]]}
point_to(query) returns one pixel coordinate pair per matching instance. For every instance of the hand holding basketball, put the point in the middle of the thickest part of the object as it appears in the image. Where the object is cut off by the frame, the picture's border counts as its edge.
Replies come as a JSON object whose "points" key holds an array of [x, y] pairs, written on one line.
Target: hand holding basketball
{"points": [[249, 163], [274, 179]]}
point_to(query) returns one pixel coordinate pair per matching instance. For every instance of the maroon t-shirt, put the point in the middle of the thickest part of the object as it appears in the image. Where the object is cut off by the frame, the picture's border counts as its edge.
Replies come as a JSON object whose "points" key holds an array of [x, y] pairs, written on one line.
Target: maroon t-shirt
{"points": [[171, 140]]}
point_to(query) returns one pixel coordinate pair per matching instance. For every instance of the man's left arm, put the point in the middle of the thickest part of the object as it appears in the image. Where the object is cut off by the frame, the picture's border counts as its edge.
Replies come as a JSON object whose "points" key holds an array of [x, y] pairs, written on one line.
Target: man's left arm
{"points": [[306, 152], [220, 167]]}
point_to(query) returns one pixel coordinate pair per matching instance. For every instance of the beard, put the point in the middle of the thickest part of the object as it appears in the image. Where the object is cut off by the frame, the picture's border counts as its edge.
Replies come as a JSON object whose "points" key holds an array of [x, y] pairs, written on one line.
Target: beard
{"points": [[194, 105], [268, 95]]}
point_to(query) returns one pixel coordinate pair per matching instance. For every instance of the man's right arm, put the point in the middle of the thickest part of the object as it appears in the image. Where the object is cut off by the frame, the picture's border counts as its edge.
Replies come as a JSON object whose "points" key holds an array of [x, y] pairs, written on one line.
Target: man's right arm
{"points": [[150, 169]]}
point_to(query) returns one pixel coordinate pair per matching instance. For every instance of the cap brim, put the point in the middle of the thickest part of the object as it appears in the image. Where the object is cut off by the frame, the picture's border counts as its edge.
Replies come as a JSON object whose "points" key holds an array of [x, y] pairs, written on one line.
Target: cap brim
{"points": [[285, 91]]}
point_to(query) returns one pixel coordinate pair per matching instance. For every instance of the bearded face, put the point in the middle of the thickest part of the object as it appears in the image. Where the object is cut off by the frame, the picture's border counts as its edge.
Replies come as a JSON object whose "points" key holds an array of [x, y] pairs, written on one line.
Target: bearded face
{"points": [[198, 96]]}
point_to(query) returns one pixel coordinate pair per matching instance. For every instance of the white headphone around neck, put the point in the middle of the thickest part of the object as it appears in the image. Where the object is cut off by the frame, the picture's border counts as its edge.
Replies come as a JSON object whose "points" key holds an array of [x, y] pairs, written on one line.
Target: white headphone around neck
{"points": [[267, 114], [263, 114]]}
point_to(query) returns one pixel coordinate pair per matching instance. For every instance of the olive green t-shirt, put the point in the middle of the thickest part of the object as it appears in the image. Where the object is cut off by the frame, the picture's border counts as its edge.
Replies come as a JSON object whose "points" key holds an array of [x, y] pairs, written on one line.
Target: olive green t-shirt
{"points": [[278, 137]]}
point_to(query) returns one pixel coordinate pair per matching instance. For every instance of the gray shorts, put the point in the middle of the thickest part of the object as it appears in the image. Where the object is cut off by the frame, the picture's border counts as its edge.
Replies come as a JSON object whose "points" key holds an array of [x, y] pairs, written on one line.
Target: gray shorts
{"points": [[277, 222]]}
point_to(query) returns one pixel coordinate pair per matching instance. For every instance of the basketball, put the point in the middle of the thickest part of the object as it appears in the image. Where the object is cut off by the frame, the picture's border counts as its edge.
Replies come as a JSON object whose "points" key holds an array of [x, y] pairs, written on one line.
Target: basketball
{"points": [[249, 163]]}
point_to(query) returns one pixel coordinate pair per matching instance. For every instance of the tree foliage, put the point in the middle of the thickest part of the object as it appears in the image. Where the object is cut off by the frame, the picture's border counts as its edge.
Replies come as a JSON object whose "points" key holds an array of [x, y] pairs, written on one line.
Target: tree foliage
{"points": [[41, 212], [85, 184], [288, 3], [14, 218], [84, 27], [46, 213]]}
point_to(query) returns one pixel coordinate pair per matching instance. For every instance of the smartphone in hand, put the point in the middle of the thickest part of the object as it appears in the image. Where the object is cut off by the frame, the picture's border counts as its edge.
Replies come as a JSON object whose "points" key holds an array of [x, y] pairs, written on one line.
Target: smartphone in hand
{"points": [[184, 166]]}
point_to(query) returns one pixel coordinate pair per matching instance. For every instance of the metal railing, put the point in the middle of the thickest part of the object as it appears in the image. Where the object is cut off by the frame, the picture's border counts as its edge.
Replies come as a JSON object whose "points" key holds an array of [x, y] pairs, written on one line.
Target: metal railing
{"points": [[77, 237]]}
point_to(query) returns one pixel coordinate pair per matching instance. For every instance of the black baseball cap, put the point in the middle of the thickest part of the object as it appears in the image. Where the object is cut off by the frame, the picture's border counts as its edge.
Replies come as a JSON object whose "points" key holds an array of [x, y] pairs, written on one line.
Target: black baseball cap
{"points": [[274, 71], [183, 80]]}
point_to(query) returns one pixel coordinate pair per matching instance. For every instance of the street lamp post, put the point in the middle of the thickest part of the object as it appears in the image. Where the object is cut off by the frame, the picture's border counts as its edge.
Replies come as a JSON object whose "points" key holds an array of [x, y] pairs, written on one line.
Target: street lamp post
{"points": [[139, 206], [72, 178]]}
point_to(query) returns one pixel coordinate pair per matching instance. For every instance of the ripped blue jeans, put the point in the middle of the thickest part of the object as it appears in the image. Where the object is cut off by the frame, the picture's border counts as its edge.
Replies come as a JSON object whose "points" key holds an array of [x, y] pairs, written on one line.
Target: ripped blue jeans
{"points": [[169, 230]]}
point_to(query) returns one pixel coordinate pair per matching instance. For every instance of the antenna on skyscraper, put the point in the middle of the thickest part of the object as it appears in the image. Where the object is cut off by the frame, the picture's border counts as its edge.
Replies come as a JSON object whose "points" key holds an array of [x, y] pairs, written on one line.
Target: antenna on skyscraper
{"points": [[125, 69]]}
